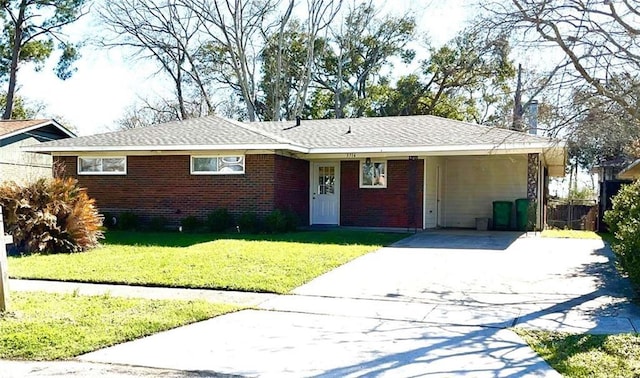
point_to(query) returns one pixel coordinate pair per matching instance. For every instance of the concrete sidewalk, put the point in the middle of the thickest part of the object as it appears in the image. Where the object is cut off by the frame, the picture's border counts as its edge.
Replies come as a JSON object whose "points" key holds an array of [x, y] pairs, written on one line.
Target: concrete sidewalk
{"points": [[239, 298], [20, 369], [256, 343]]}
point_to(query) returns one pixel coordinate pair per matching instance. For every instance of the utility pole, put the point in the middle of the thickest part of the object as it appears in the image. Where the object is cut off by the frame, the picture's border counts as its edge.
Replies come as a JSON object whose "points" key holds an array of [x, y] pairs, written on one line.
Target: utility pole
{"points": [[4, 271], [518, 109]]}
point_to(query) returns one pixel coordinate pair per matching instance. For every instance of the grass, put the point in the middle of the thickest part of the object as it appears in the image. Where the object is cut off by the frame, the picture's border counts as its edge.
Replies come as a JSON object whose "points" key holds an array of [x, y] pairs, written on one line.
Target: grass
{"points": [[569, 234], [260, 263], [46, 326], [587, 355]]}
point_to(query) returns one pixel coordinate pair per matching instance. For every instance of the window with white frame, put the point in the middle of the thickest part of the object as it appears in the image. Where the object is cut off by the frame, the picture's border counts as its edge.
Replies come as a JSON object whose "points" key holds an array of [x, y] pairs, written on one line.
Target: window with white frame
{"points": [[116, 165], [217, 165], [373, 173]]}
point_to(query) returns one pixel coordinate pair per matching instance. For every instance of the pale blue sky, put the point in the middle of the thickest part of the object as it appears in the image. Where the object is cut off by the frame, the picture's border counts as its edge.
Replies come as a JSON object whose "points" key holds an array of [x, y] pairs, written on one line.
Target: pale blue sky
{"points": [[106, 83]]}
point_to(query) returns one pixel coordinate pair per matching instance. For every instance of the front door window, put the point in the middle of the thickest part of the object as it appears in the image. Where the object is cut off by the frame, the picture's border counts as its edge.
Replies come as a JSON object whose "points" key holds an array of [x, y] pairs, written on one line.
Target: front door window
{"points": [[326, 180]]}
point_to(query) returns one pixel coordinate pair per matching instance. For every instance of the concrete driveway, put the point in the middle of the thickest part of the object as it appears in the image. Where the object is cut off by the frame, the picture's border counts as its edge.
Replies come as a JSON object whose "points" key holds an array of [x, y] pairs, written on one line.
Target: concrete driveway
{"points": [[492, 278], [435, 304]]}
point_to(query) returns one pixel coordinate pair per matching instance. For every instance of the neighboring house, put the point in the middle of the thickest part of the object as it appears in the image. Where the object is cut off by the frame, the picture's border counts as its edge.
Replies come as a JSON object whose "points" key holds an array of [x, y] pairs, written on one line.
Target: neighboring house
{"points": [[610, 182], [631, 171], [19, 165], [400, 172]]}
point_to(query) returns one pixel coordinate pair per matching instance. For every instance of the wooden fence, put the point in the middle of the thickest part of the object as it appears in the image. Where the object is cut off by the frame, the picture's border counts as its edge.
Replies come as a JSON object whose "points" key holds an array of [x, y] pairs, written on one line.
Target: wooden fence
{"points": [[573, 214]]}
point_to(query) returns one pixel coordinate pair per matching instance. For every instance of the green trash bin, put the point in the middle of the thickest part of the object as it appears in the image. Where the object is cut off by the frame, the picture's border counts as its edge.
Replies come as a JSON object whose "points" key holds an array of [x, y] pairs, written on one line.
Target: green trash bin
{"points": [[522, 214], [502, 215]]}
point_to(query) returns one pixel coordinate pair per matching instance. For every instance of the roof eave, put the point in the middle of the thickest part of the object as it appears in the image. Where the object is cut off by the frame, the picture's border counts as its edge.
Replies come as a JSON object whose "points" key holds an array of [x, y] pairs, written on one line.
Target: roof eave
{"points": [[631, 172], [124, 149], [479, 148]]}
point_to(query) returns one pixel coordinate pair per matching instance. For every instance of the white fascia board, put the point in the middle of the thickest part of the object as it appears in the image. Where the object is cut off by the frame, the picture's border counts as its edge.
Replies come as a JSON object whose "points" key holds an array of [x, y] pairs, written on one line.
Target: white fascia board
{"points": [[37, 126], [123, 149], [532, 147]]}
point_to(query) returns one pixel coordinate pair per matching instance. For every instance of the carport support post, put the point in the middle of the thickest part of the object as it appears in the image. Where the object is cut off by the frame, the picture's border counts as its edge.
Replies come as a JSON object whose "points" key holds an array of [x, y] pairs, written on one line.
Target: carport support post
{"points": [[4, 270], [533, 177]]}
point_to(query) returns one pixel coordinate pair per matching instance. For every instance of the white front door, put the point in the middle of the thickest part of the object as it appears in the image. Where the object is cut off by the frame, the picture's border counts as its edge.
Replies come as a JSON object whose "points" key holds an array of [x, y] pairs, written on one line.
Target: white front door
{"points": [[325, 193]]}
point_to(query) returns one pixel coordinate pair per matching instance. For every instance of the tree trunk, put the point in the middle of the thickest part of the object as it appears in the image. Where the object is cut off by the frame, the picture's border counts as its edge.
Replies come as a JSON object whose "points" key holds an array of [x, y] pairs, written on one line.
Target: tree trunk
{"points": [[276, 90], [4, 270], [338, 90], [15, 60]]}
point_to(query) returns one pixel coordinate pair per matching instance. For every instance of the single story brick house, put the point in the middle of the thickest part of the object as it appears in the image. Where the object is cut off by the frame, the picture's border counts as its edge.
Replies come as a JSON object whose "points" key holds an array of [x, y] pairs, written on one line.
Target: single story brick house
{"points": [[22, 166], [393, 172]]}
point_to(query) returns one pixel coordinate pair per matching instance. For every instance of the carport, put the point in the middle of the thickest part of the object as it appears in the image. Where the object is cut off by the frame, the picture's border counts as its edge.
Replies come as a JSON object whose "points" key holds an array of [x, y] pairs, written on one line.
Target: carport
{"points": [[461, 188]]}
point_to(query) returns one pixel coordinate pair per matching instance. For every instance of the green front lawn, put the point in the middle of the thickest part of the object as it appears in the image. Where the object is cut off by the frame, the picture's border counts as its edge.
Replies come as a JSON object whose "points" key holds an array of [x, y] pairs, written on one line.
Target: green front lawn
{"points": [[261, 263], [587, 355], [45, 326]]}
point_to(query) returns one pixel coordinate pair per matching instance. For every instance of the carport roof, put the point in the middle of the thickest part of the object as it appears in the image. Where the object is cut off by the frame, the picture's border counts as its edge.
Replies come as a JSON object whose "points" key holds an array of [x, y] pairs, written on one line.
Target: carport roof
{"points": [[383, 134]]}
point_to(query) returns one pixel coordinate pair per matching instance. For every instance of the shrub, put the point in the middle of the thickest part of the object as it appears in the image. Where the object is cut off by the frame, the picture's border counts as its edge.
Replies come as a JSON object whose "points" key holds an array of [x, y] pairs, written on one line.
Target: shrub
{"points": [[158, 223], [190, 224], [279, 221], [109, 221], [128, 220], [51, 216], [219, 220], [248, 222], [624, 223]]}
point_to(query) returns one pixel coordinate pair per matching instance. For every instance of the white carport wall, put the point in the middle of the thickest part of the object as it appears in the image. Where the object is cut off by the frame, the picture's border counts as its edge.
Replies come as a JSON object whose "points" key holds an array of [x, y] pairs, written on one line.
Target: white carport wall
{"points": [[457, 189]]}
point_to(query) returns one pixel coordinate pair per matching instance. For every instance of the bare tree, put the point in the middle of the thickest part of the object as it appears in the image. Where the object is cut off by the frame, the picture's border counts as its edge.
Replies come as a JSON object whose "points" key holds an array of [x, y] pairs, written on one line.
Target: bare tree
{"points": [[277, 84], [166, 32], [321, 15], [598, 39], [237, 29], [149, 113]]}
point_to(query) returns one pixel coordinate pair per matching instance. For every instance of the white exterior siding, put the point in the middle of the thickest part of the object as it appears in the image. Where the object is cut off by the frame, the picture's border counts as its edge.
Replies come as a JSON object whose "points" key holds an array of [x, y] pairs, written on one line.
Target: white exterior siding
{"points": [[23, 167], [472, 183]]}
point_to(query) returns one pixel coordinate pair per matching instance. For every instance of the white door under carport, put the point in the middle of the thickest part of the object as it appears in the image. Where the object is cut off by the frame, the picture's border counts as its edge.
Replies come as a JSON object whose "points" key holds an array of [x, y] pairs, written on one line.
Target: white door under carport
{"points": [[459, 189]]}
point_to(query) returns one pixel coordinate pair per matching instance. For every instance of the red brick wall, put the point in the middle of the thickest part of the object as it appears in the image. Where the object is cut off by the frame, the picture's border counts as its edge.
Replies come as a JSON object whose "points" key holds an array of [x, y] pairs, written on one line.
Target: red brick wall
{"points": [[389, 207], [163, 186], [292, 187]]}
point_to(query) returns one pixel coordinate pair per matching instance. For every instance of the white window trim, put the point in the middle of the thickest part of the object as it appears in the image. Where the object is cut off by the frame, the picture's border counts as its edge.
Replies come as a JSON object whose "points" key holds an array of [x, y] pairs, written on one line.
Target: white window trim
{"points": [[102, 173], [244, 167], [386, 174]]}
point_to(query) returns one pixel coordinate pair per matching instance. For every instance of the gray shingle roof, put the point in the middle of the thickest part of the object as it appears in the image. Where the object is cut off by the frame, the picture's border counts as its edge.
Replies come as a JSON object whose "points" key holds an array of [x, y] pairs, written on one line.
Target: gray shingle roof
{"points": [[205, 131], [353, 133], [409, 131]]}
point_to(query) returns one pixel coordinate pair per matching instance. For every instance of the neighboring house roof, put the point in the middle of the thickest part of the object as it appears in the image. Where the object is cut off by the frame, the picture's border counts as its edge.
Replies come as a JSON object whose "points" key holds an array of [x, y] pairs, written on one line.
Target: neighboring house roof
{"points": [[630, 172], [10, 128]]}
